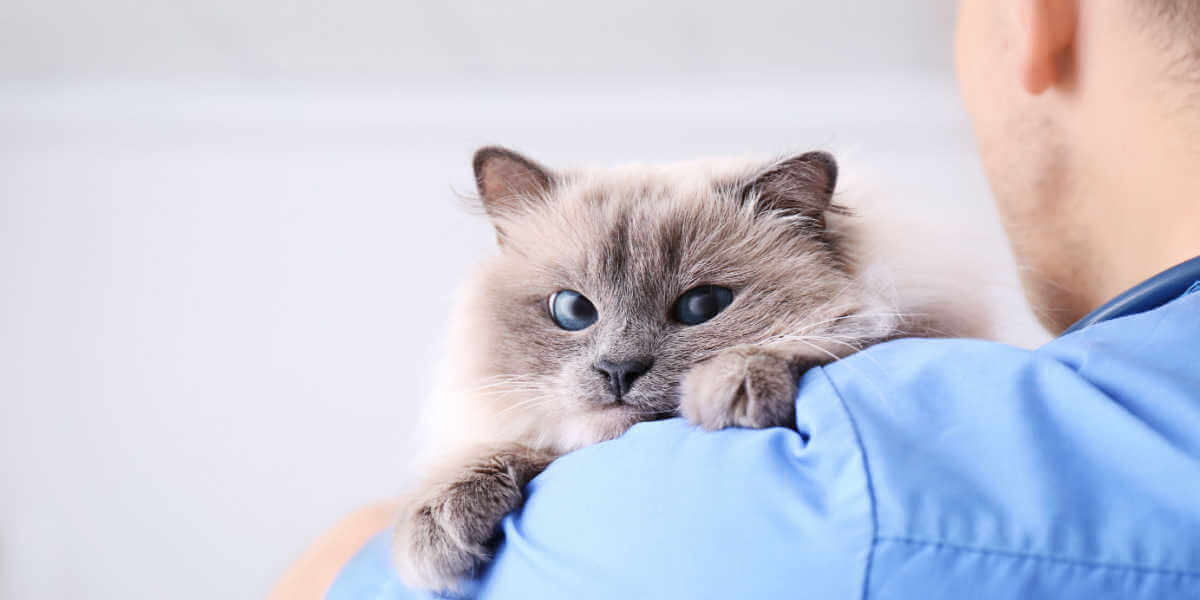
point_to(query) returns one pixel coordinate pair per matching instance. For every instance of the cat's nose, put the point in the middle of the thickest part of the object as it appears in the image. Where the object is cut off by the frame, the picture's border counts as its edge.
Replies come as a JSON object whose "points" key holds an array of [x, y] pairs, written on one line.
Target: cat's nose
{"points": [[622, 374]]}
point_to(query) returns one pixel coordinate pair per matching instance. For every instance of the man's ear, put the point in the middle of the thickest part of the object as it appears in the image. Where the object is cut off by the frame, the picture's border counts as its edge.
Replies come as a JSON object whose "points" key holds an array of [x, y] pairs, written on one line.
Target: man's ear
{"points": [[508, 182], [1048, 42], [801, 186]]}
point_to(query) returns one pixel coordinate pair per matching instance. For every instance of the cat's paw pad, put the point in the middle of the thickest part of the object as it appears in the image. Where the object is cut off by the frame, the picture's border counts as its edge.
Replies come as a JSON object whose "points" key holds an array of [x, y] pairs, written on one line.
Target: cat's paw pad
{"points": [[444, 536], [744, 386]]}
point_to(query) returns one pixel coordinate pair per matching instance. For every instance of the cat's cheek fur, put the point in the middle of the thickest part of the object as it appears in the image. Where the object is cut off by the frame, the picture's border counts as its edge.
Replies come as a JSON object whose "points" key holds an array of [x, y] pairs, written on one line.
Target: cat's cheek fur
{"points": [[748, 386], [448, 527]]}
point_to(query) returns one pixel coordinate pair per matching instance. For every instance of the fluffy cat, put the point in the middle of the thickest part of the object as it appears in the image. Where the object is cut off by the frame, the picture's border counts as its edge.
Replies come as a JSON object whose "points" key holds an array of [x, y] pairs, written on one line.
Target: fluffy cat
{"points": [[622, 295]]}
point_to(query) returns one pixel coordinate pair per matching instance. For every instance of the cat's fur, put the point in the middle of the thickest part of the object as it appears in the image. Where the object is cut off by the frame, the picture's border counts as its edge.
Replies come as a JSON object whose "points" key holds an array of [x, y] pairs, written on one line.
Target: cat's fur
{"points": [[518, 390]]}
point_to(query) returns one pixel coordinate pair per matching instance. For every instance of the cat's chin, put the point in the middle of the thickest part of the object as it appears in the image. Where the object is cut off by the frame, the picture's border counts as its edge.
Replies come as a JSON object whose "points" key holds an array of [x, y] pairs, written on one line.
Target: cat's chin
{"points": [[614, 419], [598, 424]]}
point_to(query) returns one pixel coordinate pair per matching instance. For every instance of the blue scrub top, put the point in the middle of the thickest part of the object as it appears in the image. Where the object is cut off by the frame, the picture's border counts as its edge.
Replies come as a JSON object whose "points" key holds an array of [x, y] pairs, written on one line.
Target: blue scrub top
{"points": [[920, 469]]}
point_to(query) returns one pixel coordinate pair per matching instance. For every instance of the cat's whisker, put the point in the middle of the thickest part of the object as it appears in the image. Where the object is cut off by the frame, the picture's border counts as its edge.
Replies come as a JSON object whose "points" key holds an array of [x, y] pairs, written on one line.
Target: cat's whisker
{"points": [[853, 343], [499, 380], [498, 384], [506, 383], [529, 403], [866, 316], [817, 348], [506, 391], [503, 385]]}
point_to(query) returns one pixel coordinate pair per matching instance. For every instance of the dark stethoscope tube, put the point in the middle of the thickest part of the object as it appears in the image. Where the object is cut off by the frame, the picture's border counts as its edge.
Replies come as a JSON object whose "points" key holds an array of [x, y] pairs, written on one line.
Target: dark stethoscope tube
{"points": [[1148, 295]]}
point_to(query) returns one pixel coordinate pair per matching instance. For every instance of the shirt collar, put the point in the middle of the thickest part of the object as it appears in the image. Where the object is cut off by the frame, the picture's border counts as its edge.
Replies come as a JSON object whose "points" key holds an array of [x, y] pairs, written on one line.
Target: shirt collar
{"points": [[1182, 279]]}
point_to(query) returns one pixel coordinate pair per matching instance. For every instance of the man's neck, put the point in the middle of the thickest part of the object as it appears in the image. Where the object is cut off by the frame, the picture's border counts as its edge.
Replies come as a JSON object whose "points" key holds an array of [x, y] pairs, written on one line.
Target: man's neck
{"points": [[1136, 151], [1144, 205]]}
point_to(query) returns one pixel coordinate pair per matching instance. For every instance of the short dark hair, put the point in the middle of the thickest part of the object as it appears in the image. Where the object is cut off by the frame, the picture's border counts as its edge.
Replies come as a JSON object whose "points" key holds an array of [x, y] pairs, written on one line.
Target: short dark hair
{"points": [[1182, 16], [1176, 26]]}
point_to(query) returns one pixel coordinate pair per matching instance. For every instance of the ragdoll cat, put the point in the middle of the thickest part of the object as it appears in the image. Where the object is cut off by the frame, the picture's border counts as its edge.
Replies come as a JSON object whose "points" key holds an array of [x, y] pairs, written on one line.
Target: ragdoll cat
{"points": [[623, 295]]}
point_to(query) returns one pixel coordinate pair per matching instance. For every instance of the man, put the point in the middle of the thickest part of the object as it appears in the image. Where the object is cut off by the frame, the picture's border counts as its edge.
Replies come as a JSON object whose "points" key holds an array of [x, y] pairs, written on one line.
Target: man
{"points": [[941, 468]]}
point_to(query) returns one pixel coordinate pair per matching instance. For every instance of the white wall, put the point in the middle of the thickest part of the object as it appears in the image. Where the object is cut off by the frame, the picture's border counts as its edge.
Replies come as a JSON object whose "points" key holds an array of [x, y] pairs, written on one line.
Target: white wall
{"points": [[228, 235], [389, 40]]}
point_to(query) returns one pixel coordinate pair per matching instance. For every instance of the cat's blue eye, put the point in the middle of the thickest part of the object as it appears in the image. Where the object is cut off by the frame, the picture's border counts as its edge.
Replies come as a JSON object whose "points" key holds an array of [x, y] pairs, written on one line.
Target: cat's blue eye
{"points": [[571, 311], [700, 304]]}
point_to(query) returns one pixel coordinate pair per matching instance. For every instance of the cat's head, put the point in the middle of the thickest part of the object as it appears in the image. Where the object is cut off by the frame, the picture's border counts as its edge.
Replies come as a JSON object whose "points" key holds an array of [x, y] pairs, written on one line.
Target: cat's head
{"points": [[610, 284]]}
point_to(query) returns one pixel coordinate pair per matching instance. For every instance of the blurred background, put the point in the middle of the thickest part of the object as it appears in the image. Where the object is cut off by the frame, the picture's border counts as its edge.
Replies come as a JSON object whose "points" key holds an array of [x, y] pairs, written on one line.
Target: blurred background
{"points": [[229, 232]]}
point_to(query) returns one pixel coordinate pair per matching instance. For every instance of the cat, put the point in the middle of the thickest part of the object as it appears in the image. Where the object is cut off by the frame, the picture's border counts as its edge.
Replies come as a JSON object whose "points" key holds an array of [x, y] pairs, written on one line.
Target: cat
{"points": [[702, 290]]}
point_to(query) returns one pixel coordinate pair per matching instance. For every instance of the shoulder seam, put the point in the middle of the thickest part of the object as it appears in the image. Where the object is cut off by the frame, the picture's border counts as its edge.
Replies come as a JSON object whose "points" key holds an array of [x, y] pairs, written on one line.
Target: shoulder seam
{"points": [[862, 452]]}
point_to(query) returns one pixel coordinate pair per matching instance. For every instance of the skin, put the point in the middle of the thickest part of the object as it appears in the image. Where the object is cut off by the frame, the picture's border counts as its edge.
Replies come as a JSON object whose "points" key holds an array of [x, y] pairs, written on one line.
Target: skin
{"points": [[1089, 135], [1090, 138], [314, 571]]}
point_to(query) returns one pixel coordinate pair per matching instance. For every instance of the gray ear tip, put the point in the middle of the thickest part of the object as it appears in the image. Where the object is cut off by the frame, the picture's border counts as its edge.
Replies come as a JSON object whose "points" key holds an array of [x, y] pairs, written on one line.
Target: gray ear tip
{"points": [[506, 179], [824, 161], [487, 153], [821, 156]]}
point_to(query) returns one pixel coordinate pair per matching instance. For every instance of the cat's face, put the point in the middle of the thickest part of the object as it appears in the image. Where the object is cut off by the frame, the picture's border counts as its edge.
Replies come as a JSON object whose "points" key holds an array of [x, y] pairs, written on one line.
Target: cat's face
{"points": [[610, 285]]}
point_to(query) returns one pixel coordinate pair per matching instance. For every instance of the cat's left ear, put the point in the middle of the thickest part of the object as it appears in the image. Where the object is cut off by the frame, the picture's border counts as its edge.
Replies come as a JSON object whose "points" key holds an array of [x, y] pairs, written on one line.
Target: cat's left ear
{"points": [[799, 186], [509, 183]]}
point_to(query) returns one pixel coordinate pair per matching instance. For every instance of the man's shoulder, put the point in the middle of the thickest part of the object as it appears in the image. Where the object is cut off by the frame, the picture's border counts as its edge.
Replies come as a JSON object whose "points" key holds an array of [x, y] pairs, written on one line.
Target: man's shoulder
{"points": [[979, 453], [1120, 359], [933, 368], [925, 355]]}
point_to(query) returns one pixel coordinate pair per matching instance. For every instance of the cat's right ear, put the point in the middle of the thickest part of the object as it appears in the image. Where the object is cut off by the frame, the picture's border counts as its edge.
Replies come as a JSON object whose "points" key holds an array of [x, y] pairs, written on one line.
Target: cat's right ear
{"points": [[509, 183], [800, 186]]}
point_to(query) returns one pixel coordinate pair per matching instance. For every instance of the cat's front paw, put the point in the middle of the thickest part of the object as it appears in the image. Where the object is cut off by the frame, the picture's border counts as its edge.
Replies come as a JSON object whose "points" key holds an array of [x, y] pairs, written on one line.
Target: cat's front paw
{"points": [[744, 386], [444, 535], [447, 530]]}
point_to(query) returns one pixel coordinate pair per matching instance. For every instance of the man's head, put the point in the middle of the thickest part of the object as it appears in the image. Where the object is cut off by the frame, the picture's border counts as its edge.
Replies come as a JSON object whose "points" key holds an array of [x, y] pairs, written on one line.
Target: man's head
{"points": [[1087, 114]]}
